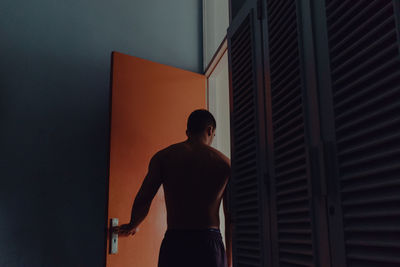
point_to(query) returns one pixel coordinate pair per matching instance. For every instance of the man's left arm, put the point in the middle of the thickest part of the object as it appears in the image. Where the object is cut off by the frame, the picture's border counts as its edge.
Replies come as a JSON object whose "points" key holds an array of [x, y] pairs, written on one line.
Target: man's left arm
{"points": [[144, 197]]}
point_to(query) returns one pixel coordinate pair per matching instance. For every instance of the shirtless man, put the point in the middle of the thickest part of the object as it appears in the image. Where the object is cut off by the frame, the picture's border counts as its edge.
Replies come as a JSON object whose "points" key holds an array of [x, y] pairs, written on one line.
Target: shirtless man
{"points": [[194, 176]]}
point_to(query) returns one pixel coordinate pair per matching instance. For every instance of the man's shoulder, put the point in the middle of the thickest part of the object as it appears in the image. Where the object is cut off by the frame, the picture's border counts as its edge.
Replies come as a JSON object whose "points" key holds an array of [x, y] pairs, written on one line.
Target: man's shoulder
{"points": [[166, 150], [220, 155]]}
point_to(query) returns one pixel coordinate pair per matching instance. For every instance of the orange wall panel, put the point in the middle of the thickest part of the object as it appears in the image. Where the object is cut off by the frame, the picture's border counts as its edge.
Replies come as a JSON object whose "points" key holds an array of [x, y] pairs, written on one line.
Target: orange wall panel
{"points": [[150, 105]]}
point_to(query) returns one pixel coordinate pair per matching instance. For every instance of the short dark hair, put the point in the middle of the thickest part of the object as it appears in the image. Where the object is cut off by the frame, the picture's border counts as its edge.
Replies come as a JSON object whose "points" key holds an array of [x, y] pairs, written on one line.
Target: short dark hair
{"points": [[199, 120]]}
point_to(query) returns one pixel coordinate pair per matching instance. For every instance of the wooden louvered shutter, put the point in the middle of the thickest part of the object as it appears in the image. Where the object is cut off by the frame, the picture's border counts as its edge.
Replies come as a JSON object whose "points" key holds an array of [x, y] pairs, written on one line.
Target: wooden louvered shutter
{"points": [[248, 193], [298, 226], [360, 104]]}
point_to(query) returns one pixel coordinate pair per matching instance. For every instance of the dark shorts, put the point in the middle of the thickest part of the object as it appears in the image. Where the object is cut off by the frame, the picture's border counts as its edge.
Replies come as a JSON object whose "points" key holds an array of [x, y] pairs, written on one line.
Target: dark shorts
{"points": [[192, 248]]}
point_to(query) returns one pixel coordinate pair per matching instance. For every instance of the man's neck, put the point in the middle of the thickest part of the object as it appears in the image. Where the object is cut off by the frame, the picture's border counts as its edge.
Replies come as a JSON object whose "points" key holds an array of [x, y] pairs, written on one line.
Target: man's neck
{"points": [[195, 141]]}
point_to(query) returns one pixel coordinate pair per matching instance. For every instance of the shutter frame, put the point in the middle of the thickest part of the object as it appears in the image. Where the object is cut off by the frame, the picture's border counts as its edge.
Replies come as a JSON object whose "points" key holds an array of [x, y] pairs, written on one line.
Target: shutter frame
{"points": [[336, 238], [351, 246], [249, 11], [310, 126], [318, 179]]}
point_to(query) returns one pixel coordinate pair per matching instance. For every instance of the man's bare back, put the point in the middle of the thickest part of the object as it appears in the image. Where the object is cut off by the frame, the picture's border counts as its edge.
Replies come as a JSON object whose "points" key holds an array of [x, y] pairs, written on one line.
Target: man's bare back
{"points": [[194, 179], [194, 176]]}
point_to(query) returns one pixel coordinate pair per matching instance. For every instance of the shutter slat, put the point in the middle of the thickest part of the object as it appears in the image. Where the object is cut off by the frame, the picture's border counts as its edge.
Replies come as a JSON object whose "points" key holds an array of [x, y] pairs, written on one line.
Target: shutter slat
{"points": [[285, 36], [292, 170], [243, 134], [243, 62], [245, 173], [286, 107], [370, 22], [374, 243], [243, 98], [373, 229], [349, 18], [345, 63], [366, 200], [287, 92], [391, 258], [300, 189], [370, 159], [359, 53], [248, 201], [292, 200], [296, 260], [293, 211], [295, 241], [368, 76], [288, 182], [375, 60], [282, 78], [275, 13], [243, 41], [285, 164], [245, 114], [393, 108], [387, 139], [330, 5], [295, 231], [283, 42], [372, 214], [283, 51], [296, 129], [241, 80], [246, 166], [370, 130], [295, 141], [246, 156], [245, 186], [300, 251], [288, 115], [292, 151], [372, 185], [295, 221], [391, 91], [241, 123]]}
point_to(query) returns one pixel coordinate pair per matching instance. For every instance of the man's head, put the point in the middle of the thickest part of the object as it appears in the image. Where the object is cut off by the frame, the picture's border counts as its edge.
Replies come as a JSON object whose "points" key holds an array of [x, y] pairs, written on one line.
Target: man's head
{"points": [[201, 126]]}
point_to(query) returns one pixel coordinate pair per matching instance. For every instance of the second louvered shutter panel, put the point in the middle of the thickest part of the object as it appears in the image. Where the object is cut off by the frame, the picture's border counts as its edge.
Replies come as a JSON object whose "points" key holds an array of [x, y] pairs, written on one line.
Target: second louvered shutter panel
{"points": [[244, 48], [365, 84], [291, 210]]}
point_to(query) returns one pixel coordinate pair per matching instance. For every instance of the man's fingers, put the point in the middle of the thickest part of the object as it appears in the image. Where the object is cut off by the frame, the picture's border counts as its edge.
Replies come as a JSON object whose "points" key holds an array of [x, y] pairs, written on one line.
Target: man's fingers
{"points": [[124, 230], [123, 233]]}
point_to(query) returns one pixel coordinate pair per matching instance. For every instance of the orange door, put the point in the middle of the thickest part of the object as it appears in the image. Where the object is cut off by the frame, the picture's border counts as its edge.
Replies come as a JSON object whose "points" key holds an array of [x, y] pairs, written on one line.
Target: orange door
{"points": [[150, 106]]}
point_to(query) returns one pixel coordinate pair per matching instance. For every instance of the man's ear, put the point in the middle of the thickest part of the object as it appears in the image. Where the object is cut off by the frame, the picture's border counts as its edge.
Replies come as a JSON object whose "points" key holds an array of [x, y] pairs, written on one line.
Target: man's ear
{"points": [[209, 130]]}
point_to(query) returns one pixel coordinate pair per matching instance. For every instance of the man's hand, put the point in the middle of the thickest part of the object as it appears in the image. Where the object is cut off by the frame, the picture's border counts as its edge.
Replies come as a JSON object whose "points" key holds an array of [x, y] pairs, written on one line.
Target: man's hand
{"points": [[125, 230]]}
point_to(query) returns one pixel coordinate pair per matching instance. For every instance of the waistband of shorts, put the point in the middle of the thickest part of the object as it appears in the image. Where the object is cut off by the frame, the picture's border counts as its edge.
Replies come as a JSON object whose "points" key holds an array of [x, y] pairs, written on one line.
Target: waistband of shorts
{"points": [[189, 232]]}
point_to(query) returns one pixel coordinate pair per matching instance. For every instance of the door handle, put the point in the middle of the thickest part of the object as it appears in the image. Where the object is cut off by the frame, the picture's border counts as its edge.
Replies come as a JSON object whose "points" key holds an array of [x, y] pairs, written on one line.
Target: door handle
{"points": [[113, 245]]}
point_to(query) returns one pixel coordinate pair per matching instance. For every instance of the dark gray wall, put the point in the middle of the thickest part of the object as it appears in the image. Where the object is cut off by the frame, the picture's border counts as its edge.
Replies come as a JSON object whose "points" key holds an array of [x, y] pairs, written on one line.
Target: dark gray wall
{"points": [[54, 115]]}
